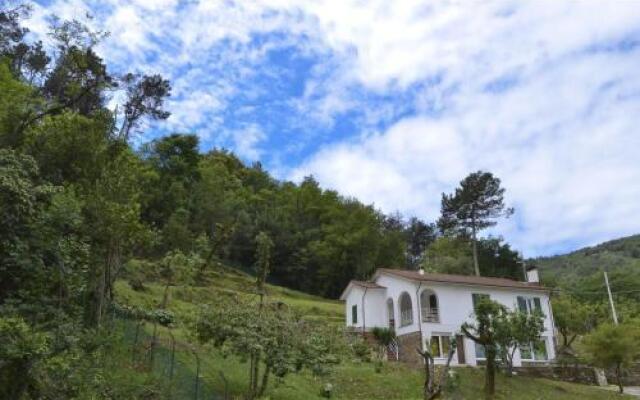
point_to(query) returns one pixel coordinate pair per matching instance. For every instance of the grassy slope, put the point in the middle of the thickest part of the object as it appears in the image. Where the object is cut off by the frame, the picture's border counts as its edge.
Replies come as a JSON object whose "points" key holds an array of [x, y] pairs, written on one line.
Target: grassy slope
{"points": [[351, 380]]}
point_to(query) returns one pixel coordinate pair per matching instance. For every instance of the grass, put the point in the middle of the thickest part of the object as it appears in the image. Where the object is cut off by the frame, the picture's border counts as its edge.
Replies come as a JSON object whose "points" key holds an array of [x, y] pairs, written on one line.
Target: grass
{"points": [[351, 379]]}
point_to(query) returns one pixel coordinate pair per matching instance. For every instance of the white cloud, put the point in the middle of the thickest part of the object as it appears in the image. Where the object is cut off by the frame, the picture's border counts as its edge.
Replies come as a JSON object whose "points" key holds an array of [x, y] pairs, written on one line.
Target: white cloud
{"points": [[246, 142], [560, 132]]}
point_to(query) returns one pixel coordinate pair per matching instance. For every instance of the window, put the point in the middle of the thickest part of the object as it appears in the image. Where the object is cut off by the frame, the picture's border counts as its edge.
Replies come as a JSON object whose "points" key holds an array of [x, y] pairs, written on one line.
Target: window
{"points": [[354, 315], [480, 353], [429, 306], [391, 313], [528, 304], [440, 345], [535, 351], [476, 297], [406, 309]]}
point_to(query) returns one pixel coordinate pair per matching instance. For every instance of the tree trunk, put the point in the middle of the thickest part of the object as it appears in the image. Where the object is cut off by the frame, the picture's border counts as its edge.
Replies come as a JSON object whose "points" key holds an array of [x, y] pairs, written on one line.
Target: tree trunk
{"points": [[476, 267], [619, 378], [490, 374], [165, 297], [509, 361], [265, 381], [255, 371]]}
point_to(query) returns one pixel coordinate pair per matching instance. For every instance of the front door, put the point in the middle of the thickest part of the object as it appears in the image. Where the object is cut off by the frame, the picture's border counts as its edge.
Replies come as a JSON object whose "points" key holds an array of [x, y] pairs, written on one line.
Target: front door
{"points": [[460, 349]]}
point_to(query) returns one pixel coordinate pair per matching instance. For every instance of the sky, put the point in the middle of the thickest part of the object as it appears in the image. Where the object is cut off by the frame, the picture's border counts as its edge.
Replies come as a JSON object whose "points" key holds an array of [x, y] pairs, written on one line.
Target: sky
{"points": [[394, 102]]}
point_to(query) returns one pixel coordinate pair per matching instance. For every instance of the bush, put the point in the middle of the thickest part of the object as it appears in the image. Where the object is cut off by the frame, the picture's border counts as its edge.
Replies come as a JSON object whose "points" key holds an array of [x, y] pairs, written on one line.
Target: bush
{"points": [[21, 352], [360, 349]]}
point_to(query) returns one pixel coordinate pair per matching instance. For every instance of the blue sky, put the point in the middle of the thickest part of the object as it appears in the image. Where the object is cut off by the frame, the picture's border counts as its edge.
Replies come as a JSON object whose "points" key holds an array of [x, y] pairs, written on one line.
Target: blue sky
{"points": [[395, 102]]}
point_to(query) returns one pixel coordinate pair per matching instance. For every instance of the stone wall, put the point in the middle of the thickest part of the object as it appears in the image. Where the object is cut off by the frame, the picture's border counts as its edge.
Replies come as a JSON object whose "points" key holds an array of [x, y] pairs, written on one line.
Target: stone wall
{"points": [[579, 373], [568, 373], [407, 348], [630, 376]]}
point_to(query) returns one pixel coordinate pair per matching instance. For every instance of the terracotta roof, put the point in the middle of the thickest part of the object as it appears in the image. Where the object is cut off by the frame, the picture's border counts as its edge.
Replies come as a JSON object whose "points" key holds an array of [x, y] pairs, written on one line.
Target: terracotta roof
{"points": [[369, 285], [461, 279]]}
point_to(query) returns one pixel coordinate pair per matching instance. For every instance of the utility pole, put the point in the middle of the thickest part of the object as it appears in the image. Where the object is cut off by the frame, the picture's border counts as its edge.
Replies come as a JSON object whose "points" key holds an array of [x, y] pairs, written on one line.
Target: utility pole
{"points": [[613, 307]]}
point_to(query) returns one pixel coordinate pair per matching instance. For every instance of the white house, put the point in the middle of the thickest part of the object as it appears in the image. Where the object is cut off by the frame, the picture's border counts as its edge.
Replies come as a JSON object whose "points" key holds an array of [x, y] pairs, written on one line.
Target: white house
{"points": [[427, 309]]}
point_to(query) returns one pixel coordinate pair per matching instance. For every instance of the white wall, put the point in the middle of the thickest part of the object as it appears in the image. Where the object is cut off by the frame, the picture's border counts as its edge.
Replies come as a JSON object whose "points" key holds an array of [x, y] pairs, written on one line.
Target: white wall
{"points": [[374, 307], [455, 307]]}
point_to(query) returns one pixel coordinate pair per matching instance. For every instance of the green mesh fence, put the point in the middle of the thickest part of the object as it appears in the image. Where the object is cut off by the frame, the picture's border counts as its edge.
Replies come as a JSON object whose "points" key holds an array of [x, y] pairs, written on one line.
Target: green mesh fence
{"points": [[176, 364]]}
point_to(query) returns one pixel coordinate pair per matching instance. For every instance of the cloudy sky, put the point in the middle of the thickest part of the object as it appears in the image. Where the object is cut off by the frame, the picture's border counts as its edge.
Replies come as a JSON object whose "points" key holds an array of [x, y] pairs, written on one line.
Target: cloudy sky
{"points": [[395, 101]]}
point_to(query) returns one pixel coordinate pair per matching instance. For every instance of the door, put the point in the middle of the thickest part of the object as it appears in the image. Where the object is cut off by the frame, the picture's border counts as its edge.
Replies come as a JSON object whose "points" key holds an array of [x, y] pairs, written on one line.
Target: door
{"points": [[460, 349]]}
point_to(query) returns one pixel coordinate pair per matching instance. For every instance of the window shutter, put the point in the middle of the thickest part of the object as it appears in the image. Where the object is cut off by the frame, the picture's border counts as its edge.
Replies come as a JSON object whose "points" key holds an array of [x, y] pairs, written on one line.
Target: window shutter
{"points": [[538, 305], [354, 315], [522, 304]]}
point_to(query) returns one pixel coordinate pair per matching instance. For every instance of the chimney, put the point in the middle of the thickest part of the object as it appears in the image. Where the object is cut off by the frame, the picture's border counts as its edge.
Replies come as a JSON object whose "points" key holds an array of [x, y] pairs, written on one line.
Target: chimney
{"points": [[532, 274], [421, 271]]}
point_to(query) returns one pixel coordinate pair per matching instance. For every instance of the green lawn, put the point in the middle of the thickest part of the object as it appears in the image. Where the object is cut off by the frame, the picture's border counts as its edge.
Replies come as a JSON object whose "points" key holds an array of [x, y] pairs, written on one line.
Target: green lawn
{"points": [[350, 379]]}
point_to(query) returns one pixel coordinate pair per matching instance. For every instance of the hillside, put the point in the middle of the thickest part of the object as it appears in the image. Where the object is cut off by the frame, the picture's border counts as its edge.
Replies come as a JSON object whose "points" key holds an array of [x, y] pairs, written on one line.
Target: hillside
{"points": [[351, 379], [618, 255]]}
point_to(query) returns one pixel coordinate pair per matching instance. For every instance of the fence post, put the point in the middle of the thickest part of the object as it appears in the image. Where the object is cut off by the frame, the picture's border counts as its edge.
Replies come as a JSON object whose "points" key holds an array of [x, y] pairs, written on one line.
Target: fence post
{"points": [[197, 374], [135, 341], [152, 351], [226, 385], [173, 354]]}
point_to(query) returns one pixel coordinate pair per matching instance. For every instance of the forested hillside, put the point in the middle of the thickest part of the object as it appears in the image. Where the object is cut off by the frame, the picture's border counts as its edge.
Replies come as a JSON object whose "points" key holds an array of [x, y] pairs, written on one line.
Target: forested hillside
{"points": [[618, 254], [580, 273]]}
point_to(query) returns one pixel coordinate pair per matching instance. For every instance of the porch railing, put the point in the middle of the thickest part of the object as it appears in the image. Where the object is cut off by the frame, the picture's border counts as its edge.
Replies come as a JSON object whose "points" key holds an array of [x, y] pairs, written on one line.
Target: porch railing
{"points": [[393, 351]]}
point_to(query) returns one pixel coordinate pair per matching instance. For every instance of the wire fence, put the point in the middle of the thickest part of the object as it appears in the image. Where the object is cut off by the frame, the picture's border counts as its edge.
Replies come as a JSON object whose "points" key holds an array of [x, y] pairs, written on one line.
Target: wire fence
{"points": [[178, 365]]}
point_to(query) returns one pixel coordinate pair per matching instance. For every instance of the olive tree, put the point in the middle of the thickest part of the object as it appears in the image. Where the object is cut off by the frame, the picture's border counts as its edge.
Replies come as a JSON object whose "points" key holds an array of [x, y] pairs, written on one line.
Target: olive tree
{"points": [[613, 346], [514, 330], [488, 315], [434, 382], [279, 339]]}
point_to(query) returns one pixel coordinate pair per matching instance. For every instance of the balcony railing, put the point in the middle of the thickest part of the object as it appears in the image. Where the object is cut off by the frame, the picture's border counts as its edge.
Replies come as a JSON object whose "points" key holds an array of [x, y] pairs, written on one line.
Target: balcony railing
{"points": [[406, 317], [430, 315]]}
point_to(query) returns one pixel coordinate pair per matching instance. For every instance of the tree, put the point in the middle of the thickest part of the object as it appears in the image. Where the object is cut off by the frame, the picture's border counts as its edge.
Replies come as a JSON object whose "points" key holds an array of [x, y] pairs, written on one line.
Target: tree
{"points": [[23, 199], [488, 315], [448, 255], [419, 237], [613, 346], [284, 342], [145, 97], [22, 348], [474, 206], [263, 261], [433, 382], [113, 223], [572, 319], [516, 329]]}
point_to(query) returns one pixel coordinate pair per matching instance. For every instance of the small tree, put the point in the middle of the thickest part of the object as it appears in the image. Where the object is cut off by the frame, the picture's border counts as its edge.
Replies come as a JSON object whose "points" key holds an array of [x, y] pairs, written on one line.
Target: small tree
{"points": [[572, 319], [263, 261], [488, 315], [474, 206], [515, 329], [434, 382], [613, 346]]}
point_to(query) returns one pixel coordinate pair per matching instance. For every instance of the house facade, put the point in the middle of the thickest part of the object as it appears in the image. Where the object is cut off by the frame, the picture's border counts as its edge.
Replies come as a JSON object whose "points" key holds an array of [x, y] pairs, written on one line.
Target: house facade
{"points": [[428, 309]]}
